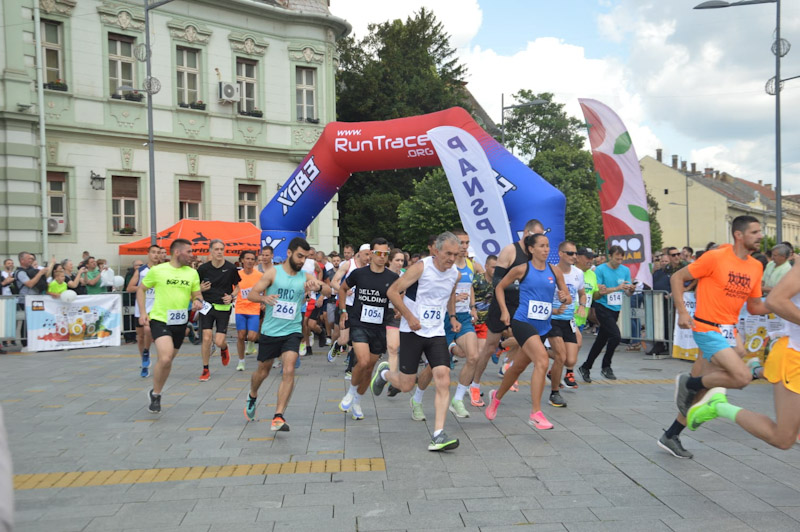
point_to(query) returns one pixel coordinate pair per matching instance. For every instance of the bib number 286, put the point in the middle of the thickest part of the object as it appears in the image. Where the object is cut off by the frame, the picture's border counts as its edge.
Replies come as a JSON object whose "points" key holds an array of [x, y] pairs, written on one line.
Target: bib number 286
{"points": [[177, 317]]}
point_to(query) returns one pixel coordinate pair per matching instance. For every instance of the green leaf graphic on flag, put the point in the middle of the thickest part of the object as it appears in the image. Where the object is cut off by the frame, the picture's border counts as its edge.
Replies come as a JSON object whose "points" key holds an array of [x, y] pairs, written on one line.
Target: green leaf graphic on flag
{"points": [[639, 213], [622, 144]]}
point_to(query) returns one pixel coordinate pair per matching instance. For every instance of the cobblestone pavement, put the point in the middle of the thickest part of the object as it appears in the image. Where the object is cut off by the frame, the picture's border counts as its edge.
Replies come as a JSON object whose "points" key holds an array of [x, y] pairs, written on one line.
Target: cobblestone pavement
{"points": [[89, 456]]}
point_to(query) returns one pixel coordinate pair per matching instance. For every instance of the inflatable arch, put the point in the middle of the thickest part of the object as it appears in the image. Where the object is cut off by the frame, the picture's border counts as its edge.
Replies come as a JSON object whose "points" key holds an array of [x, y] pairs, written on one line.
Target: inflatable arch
{"points": [[347, 147]]}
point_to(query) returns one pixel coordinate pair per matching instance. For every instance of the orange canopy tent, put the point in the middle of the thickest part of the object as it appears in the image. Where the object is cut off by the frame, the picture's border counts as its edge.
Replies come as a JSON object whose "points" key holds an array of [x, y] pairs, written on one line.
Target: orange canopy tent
{"points": [[238, 237]]}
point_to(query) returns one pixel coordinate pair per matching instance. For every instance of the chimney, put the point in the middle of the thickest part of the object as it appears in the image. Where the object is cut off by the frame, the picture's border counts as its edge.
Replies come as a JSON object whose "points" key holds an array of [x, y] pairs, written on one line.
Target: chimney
{"points": [[683, 166], [769, 186], [716, 174], [675, 162], [708, 174], [694, 168], [760, 183], [658, 154]]}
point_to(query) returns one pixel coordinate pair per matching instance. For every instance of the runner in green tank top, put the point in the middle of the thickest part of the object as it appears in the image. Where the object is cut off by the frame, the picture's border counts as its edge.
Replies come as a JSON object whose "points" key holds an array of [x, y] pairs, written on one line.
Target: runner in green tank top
{"points": [[283, 290]]}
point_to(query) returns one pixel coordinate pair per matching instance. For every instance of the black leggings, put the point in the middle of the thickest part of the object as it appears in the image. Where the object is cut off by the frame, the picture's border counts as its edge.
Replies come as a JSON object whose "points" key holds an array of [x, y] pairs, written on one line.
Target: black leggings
{"points": [[608, 334]]}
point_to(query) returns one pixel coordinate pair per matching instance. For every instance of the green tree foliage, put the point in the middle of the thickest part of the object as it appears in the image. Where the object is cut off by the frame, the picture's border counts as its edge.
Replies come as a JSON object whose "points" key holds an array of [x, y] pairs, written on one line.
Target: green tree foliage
{"points": [[656, 237], [400, 69], [430, 210], [540, 127]]}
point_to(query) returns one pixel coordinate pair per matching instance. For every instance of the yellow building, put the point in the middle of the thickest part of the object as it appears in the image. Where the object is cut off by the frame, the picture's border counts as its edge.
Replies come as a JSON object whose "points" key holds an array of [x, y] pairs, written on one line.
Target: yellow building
{"points": [[696, 207]]}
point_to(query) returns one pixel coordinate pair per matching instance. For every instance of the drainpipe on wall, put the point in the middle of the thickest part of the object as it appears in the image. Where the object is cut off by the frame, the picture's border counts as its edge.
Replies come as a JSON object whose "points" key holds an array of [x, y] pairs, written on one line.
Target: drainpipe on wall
{"points": [[37, 32]]}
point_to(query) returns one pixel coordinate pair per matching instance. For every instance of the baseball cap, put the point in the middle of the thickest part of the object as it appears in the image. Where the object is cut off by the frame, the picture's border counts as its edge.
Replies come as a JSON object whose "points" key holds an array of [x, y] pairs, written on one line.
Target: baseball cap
{"points": [[470, 252], [586, 252], [364, 247]]}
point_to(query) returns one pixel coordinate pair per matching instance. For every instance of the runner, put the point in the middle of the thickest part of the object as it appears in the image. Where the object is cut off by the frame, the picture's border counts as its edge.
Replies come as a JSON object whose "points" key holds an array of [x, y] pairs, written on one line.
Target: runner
{"points": [[177, 291], [331, 308], [357, 261], [265, 259], [283, 289], [484, 293], [510, 256], [143, 334], [727, 278], [396, 262], [311, 266], [584, 263], [428, 290], [563, 333], [220, 280], [370, 312], [538, 283], [247, 312], [782, 369], [613, 279]]}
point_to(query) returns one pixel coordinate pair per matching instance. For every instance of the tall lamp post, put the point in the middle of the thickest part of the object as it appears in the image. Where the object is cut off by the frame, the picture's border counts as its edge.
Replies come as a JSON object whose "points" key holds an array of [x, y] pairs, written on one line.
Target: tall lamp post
{"points": [[503, 108], [780, 48]]}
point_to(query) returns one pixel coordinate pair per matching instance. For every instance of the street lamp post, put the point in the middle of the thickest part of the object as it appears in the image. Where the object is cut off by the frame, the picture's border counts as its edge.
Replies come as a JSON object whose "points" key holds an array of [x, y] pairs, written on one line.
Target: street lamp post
{"points": [[778, 50], [503, 108]]}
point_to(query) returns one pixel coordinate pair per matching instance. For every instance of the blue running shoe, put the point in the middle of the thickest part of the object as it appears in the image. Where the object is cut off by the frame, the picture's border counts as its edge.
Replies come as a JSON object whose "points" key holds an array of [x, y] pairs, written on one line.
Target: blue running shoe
{"points": [[146, 358], [297, 364], [145, 372]]}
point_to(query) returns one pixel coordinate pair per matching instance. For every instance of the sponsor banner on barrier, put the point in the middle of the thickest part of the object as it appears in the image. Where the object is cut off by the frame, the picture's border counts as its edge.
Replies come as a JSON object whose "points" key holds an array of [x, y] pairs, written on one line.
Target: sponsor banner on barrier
{"points": [[755, 331], [89, 321]]}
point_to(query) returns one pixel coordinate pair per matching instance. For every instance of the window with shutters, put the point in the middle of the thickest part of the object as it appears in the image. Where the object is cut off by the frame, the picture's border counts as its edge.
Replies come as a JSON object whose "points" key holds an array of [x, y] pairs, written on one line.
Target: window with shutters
{"points": [[190, 197], [306, 87], [121, 63], [124, 204], [248, 203], [57, 194], [53, 52]]}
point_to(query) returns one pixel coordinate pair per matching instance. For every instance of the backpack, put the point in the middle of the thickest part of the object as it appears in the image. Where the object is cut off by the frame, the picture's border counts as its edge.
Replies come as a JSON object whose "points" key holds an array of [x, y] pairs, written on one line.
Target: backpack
{"points": [[40, 287]]}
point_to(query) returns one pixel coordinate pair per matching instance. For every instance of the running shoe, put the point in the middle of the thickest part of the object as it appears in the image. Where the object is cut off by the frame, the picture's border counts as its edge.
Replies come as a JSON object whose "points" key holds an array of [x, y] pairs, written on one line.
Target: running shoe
{"points": [[416, 411], [250, 408], [145, 372], [355, 410], [584, 374], [328, 341], [754, 364], [673, 446], [146, 358], [496, 355], [378, 382], [297, 363], [302, 350], [515, 386], [225, 356], [392, 391], [346, 403], [442, 442], [556, 400], [491, 410], [155, 402], [538, 421], [450, 348], [608, 373], [503, 369], [251, 348], [333, 352], [684, 397], [309, 352], [569, 381], [205, 375], [279, 424], [240, 365], [706, 408], [475, 397], [457, 408], [348, 375]]}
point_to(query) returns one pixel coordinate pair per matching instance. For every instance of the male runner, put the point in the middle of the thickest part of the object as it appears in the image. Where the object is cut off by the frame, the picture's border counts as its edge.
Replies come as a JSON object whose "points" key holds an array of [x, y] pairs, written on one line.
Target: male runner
{"points": [[176, 284], [283, 289], [484, 293], [163, 255], [247, 312], [510, 256], [727, 278], [368, 316], [428, 290], [357, 261], [265, 259], [143, 336], [584, 263], [347, 252], [563, 333], [219, 282]]}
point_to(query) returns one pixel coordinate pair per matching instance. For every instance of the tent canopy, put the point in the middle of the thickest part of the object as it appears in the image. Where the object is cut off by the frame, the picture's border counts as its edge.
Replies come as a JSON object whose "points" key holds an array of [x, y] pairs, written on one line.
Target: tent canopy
{"points": [[238, 237]]}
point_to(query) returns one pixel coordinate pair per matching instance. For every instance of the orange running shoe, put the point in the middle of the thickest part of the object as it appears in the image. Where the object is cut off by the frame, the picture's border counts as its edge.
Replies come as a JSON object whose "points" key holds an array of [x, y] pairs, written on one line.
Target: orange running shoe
{"points": [[475, 396], [205, 376], [225, 355]]}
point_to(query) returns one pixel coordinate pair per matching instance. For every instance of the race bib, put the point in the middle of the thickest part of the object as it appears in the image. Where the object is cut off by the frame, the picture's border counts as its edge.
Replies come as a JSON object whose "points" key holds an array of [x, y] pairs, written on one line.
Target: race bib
{"points": [[430, 316], [206, 307], [729, 334], [539, 310], [614, 298], [244, 293], [177, 317], [461, 290], [370, 314], [588, 300], [284, 310], [572, 325], [150, 293]]}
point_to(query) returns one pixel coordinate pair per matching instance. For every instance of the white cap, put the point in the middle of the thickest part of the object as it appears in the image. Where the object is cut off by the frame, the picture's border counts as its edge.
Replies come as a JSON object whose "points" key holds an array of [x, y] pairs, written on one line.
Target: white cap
{"points": [[364, 247], [470, 252]]}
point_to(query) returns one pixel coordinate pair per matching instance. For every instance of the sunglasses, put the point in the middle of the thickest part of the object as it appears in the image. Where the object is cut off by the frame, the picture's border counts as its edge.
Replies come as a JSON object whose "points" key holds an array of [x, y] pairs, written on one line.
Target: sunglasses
{"points": [[381, 253], [570, 253], [674, 254]]}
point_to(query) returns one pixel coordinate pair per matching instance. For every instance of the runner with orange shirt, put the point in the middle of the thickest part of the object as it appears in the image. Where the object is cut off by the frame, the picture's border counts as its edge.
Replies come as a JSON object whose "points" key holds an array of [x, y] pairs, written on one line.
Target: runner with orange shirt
{"points": [[728, 277], [247, 312]]}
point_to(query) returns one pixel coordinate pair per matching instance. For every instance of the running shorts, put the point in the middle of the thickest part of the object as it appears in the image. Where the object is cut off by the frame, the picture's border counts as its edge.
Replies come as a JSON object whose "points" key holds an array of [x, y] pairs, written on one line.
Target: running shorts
{"points": [[465, 319], [247, 322], [783, 365], [563, 329], [522, 331], [376, 338], [711, 342], [413, 346], [270, 347], [216, 317], [177, 332], [493, 317]]}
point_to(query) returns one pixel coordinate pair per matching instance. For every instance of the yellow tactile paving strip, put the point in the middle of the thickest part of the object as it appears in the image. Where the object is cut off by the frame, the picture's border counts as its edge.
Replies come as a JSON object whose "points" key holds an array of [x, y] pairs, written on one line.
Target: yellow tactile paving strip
{"points": [[76, 479]]}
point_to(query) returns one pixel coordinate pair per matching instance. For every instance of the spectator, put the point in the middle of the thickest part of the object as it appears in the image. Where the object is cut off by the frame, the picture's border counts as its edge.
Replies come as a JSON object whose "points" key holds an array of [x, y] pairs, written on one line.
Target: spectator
{"points": [[777, 268], [760, 257], [58, 285], [73, 278], [91, 277], [687, 255], [106, 275], [30, 281], [7, 283]]}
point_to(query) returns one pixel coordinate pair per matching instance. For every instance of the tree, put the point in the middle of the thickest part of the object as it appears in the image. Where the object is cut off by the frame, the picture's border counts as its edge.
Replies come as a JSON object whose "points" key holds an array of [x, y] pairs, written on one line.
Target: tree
{"points": [[400, 69], [656, 237], [541, 127], [430, 210]]}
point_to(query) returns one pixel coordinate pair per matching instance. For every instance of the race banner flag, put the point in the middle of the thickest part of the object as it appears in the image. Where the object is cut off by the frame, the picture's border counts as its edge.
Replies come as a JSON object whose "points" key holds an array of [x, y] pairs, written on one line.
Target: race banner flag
{"points": [[626, 221], [89, 321], [472, 180]]}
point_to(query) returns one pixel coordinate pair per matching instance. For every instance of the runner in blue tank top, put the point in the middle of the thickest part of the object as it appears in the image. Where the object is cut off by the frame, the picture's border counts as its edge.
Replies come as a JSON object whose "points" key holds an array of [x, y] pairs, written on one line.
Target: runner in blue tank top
{"points": [[530, 323]]}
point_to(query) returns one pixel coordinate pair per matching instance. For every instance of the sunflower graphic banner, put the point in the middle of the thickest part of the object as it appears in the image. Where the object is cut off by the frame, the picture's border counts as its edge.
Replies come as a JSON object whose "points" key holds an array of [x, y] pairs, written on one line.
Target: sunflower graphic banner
{"points": [[89, 321]]}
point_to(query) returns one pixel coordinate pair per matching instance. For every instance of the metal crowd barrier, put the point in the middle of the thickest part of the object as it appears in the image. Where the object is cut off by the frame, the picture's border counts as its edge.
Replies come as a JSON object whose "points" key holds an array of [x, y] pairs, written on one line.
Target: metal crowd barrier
{"points": [[648, 316]]}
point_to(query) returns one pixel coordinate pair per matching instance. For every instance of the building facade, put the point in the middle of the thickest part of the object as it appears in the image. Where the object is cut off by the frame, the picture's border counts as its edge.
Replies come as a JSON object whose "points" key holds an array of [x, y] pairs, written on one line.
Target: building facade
{"points": [[714, 199], [246, 87]]}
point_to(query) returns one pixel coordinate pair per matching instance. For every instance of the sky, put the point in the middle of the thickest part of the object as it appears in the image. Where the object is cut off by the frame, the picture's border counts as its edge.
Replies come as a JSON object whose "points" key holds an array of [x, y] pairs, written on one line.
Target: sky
{"points": [[688, 81]]}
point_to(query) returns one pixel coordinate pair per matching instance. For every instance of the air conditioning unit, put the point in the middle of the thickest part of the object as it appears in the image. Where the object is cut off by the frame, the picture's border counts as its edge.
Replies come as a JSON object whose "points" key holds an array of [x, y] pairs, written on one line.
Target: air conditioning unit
{"points": [[229, 92], [56, 226]]}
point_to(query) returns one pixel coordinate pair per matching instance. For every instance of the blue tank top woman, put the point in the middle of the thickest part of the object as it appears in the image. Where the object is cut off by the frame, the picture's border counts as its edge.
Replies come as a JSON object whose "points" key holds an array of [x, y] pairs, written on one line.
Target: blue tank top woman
{"points": [[536, 292]]}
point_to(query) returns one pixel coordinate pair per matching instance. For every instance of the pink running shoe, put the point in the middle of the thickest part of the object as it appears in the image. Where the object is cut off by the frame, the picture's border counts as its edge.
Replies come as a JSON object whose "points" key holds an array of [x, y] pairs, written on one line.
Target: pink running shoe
{"points": [[515, 386], [491, 410], [538, 421]]}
